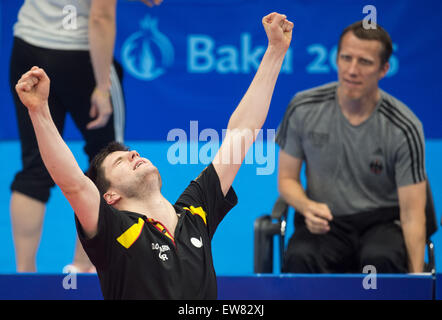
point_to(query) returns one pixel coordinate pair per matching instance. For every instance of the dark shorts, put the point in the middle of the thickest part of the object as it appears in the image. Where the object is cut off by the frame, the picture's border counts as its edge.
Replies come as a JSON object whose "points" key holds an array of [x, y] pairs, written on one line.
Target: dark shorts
{"points": [[72, 83]]}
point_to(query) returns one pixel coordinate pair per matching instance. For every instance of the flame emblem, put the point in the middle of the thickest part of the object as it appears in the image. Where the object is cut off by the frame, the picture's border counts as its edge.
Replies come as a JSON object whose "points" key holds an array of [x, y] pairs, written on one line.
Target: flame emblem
{"points": [[147, 53]]}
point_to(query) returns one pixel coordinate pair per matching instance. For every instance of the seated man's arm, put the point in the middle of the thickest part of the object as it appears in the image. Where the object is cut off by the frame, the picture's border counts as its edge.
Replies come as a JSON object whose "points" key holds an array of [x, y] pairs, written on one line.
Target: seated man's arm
{"points": [[317, 215], [251, 113], [33, 90], [412, 200]]}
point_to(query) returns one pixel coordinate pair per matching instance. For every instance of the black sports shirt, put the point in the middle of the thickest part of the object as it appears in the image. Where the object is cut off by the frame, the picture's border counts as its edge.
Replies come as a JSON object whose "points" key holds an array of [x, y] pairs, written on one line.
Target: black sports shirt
{"points": [[137, 257]]}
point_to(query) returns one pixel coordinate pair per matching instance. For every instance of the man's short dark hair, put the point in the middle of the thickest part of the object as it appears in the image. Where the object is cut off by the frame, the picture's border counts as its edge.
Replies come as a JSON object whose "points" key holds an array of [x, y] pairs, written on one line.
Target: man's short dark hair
{"points": [[378, 34], [96, 171]]}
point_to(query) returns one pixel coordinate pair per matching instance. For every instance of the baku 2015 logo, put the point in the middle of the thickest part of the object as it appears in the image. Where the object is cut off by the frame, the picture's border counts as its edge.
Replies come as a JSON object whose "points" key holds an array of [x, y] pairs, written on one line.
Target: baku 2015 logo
{"points": [[147, 53]]}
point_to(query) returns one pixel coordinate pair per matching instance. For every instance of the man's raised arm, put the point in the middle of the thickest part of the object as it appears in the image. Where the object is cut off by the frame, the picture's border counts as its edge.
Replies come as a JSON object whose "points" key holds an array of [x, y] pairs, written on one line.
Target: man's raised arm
{"points": [[33, 91], [251, 113]]}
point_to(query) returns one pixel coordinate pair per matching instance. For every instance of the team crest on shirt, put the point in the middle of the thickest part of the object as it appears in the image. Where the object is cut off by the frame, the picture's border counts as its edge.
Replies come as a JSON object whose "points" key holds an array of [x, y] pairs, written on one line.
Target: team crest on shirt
{"points": [[162, 250], [318, 139], [376, 166]]}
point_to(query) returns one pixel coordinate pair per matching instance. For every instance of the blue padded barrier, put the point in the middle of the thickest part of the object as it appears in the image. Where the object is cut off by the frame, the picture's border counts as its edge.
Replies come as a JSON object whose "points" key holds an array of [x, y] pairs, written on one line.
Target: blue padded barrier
{"points": [[258, 287]]}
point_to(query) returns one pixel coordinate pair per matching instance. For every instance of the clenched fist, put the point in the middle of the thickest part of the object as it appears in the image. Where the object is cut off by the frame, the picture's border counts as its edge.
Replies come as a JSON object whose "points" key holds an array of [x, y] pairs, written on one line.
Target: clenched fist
{"points": [[33, 89], [278, 30]]}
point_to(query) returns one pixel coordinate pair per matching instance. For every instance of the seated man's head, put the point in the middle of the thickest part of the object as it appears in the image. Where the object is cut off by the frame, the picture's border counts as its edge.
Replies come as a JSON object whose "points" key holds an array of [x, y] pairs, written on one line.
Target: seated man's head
{"points": [[362, 59], [120, 173]]}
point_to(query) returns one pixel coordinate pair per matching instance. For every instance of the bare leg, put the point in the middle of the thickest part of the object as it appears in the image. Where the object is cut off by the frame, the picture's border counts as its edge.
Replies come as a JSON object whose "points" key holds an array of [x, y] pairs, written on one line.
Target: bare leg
{"points": [[81, 260], [27, 216]]}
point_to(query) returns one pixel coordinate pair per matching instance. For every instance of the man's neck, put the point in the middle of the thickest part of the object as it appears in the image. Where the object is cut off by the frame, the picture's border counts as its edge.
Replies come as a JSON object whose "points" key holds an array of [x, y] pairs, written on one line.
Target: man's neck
{"points": [[154, 206], [358, 110]]}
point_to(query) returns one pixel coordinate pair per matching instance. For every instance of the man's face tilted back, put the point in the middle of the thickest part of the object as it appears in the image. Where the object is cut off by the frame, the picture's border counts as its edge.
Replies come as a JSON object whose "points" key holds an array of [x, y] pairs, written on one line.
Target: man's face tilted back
{"points": [[359, 66], [129, 174]]}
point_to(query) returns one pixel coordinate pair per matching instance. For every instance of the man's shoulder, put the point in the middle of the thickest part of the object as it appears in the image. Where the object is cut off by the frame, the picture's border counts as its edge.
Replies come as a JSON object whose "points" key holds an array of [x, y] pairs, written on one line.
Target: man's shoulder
{"points": [[318, 91], [397, 112], [314, 96], [196, 187], [312, 100], [116, 215]]}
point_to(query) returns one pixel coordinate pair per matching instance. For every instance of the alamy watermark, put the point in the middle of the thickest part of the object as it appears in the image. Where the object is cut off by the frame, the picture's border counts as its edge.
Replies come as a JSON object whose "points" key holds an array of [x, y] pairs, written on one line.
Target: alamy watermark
{"points": [[70, 19], [70, 280], [187, 148], [370, 280], [370, 21]]}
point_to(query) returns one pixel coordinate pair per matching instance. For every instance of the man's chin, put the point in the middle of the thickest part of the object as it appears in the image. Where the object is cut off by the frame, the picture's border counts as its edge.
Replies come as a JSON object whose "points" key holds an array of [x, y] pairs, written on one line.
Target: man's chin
{"points": [[153, 178], [352, 94]]}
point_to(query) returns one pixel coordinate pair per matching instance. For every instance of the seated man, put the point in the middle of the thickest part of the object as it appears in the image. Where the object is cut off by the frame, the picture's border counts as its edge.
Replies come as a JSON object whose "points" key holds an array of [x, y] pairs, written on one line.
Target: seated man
{"points": [[364, 204], [143, 246]]}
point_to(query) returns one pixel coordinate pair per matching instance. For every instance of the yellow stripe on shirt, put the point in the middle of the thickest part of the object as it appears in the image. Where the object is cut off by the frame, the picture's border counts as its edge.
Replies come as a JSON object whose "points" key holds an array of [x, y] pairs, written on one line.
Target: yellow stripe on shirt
{"points": [[198, 211], [131, 235]]}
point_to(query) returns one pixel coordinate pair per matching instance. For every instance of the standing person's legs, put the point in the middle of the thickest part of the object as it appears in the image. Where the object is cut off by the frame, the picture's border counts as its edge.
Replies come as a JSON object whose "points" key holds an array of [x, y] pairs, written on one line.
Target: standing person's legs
{"points": [[77, 99], [331, 252], [31, 186], [27, 216]]}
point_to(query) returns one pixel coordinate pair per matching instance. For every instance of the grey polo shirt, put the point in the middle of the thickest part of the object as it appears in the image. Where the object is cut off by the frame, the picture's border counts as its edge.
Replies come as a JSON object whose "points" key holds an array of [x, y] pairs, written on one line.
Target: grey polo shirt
{"points": [[353, 168]]}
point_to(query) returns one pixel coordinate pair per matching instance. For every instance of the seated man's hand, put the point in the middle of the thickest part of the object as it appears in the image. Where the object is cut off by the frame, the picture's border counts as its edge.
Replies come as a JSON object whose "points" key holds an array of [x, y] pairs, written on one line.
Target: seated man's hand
{"points": [[317, 216]]}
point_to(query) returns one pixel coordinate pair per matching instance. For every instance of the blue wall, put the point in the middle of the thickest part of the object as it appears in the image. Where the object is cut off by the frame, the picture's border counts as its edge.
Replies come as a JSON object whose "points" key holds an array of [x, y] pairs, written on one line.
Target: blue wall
{"points": [[203, 54]]}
